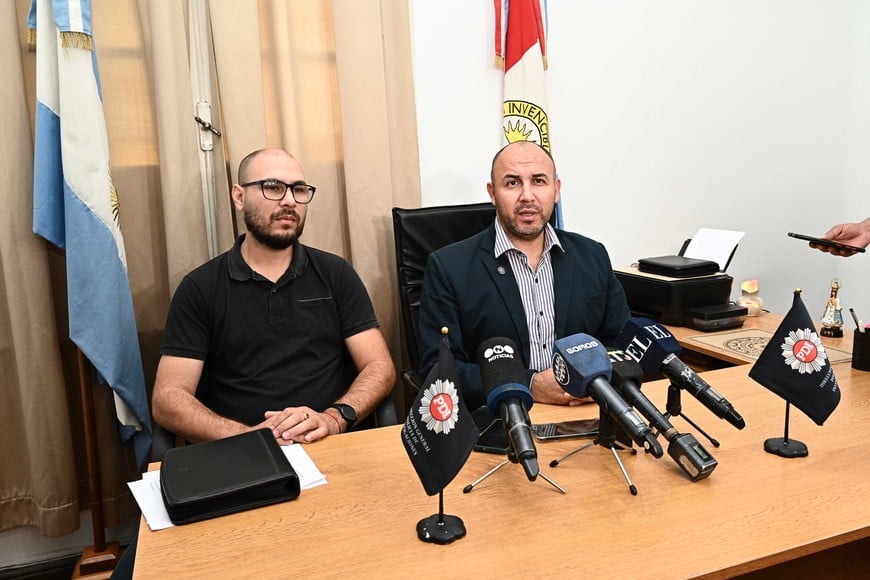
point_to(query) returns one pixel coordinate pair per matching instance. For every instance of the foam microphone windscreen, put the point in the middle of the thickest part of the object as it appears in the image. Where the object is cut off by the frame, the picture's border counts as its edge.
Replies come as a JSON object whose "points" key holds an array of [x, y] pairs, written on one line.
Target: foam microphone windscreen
{"points": [[502, 373], [648, 343], [577, 360]]}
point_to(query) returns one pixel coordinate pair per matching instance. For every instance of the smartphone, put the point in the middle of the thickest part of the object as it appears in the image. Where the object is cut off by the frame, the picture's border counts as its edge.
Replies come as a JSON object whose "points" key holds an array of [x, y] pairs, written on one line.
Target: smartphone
{"points": [[828, 243], [493, 437], [575, 429]]}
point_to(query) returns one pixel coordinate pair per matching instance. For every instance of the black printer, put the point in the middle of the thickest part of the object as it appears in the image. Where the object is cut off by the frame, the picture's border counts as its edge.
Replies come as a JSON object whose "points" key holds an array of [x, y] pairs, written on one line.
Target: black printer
{"points": [[681, 291]]}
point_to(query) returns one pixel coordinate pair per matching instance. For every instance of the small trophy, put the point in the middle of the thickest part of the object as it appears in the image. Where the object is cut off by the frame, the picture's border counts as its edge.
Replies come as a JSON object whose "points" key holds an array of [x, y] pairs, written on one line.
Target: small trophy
{"points": [[832, 319]]}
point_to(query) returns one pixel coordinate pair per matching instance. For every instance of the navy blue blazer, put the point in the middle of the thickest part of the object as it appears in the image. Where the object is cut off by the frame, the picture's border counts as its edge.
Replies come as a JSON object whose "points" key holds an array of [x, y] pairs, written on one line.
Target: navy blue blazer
{"points": [[475, 295]]}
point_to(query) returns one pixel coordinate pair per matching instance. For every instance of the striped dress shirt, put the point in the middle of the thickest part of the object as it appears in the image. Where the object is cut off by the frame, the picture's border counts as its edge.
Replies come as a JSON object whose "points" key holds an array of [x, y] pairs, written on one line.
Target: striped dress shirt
{"points": [[536, 291]]}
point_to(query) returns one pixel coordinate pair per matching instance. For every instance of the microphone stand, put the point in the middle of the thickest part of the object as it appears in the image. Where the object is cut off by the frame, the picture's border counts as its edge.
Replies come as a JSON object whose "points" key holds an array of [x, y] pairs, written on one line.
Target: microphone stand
{"points": [[675, 409], [608, 437], [511, 458]]}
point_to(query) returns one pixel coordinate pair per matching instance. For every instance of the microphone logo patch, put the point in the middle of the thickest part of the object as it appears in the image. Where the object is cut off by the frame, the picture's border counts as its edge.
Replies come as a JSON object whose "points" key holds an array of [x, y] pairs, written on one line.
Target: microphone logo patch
{"points": [[439, 406], [498, 351], [560, 370]]}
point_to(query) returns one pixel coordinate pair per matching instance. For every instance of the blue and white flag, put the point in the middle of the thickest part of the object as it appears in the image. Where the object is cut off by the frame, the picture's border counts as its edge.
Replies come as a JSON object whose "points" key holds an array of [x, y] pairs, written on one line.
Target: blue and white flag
{"points": [[75, 207]]}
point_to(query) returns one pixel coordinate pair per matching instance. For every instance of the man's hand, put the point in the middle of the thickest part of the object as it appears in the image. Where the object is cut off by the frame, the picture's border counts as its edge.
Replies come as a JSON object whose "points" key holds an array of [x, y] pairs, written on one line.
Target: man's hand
{"points": [[851, 234], [545, 389], [299, 425]]}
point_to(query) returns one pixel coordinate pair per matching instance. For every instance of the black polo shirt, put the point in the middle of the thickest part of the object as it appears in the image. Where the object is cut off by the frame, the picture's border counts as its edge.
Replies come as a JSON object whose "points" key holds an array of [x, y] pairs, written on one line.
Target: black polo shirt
{"points": [[268, 346]]}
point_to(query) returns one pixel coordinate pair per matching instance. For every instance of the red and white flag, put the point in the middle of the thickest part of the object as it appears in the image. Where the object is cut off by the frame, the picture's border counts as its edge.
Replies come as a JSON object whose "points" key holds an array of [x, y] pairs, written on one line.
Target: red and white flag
{"points": [[522, 50], [524, 54]]}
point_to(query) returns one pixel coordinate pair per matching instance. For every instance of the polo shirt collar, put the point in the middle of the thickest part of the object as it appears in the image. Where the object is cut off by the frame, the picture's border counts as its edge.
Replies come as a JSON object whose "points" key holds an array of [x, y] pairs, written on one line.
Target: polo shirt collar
{"points": [[241, 271]]}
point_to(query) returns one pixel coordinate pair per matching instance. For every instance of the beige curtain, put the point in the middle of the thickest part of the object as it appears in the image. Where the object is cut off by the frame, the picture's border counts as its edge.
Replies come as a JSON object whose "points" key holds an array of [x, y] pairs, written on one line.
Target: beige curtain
{"points": [[330, 81]]}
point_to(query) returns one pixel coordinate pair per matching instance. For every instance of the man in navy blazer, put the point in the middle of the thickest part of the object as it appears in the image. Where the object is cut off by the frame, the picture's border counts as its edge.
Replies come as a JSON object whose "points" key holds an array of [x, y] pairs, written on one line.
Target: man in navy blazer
{"points": [[519, 274]]}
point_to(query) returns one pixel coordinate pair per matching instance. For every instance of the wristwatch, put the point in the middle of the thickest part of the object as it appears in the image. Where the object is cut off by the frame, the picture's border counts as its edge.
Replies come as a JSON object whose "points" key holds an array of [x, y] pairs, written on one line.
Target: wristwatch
{"points": [[347, 413]]}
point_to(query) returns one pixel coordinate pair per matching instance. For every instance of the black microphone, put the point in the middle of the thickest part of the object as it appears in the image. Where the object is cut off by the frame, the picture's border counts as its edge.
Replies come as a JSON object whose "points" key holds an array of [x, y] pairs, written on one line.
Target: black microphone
{"points": [[582, 368], [508, 396], [651, 345], [683, 448]]}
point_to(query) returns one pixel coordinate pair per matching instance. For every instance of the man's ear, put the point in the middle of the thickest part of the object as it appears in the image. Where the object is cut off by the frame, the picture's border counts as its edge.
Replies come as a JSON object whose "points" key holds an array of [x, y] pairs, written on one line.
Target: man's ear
{"points": [[238, 195]]}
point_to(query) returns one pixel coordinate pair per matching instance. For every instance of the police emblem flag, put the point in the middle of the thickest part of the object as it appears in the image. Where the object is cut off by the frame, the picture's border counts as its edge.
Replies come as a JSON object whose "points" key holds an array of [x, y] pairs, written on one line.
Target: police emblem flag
{"points": [[438, 436], [795, 366]]}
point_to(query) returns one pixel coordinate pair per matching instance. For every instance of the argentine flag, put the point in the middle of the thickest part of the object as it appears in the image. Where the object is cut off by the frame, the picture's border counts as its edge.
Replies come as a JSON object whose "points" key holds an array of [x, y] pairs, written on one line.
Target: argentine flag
{"points": [[75, 207]]}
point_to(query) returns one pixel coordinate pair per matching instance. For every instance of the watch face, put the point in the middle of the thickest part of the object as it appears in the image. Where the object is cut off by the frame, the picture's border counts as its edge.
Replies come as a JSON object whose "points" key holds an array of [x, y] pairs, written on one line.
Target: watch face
{"points": [[347, 413]]}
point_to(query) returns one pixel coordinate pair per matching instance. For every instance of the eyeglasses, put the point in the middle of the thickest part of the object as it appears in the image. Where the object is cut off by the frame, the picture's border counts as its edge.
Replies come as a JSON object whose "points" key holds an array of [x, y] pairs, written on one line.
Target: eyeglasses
{"points": [[275, 190]]}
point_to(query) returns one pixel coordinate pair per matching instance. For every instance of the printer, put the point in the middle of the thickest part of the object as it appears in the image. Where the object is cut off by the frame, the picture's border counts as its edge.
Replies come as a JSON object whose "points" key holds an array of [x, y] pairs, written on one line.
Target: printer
{"points": [[700, 301]]}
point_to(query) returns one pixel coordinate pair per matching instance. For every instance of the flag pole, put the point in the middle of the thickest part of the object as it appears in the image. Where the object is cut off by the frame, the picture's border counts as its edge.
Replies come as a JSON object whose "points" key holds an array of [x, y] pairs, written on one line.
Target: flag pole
{"points": [[783, 446], [101, 556]]}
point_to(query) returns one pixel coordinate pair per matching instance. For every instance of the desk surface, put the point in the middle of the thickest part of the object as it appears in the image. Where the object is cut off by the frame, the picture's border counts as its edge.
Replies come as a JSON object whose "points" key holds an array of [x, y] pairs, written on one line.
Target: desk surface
{"points": [[755, 510], [706, 343]]}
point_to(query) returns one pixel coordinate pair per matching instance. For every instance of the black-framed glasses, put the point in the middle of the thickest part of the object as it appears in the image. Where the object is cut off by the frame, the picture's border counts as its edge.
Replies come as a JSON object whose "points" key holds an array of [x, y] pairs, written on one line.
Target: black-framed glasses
{"points": [[275, 190]]}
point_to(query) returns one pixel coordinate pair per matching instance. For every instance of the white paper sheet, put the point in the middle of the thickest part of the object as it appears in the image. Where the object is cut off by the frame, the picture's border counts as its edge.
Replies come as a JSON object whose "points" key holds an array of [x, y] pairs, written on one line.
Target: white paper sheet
{"points": [[146, 491], [715, 245]]}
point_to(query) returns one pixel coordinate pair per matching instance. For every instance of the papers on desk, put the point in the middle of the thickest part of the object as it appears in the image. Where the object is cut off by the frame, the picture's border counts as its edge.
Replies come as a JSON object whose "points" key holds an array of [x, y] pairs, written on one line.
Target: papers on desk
{"points": [[715, 245], [146, 491]]}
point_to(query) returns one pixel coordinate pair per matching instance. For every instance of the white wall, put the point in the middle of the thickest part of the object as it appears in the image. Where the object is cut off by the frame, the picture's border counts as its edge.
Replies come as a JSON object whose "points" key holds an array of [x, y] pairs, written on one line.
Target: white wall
{"points": [[673, 115]]}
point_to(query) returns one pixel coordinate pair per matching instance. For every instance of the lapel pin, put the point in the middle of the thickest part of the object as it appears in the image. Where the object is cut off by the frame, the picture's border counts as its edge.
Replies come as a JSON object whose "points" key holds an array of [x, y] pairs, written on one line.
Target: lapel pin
{"points": [[501, 270]]}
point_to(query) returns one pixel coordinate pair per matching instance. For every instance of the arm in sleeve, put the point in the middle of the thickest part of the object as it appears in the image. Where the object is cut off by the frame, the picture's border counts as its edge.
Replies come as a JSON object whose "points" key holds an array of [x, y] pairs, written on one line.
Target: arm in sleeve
{"points": [[439, 307]]}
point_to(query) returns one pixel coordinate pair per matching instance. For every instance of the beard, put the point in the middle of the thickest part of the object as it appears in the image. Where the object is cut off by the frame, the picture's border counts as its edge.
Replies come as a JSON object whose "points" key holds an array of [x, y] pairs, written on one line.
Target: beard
{"points": [[526, 231], [260, 228]]}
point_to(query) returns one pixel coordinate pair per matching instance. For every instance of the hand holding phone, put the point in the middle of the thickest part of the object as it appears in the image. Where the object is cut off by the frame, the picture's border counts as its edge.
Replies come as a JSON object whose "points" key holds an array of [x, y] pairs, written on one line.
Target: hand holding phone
{"points": [[828, 243]]}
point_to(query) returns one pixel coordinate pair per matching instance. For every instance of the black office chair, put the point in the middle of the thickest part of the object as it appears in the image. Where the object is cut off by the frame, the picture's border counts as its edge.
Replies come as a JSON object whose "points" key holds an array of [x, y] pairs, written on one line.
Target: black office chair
{"points": [[418, 233]]}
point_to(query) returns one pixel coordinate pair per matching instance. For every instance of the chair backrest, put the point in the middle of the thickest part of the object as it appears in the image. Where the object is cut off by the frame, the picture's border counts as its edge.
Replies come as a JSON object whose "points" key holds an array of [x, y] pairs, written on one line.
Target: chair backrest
{"points": [[418, 233]]}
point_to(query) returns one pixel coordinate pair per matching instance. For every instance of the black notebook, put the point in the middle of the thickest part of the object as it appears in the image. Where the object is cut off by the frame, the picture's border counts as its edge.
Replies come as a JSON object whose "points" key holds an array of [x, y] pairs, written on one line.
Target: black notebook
{"points": [[677, 266], [210, 479]]}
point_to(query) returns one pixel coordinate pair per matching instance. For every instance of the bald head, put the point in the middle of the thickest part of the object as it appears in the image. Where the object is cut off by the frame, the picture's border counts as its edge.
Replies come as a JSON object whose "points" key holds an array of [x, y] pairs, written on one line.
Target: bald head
{"points": [[529, 147], [244, 166]]}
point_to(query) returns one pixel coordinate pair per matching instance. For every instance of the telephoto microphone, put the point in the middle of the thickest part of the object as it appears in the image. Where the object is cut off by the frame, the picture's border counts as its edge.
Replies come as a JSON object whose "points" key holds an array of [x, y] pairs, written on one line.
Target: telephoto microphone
{"points": [[651, 345], [508, 396], [684, 449], [582, 368]]}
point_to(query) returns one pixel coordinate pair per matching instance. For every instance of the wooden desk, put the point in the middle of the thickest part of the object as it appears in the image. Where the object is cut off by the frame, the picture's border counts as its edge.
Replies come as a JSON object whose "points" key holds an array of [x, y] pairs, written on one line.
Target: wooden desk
{"points": [[704, 343], [756, 510]]}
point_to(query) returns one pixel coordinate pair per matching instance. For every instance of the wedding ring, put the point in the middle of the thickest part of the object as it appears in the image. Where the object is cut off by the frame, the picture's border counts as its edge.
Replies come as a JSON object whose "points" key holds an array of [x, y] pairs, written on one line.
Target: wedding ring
{"points": [[305, 416]]}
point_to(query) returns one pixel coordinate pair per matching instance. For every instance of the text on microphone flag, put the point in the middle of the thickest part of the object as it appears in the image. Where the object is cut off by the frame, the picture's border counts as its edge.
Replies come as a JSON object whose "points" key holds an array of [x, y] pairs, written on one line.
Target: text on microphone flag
{"points": [[795, 366]]}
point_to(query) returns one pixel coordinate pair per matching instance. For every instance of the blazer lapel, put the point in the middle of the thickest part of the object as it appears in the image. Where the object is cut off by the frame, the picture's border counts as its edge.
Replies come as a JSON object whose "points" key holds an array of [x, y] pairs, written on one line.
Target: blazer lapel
{"points": [[563, 280], [503, 278]]}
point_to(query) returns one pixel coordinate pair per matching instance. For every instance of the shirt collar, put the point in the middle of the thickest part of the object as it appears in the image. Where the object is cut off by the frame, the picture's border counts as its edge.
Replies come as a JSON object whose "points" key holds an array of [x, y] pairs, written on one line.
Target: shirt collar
{"points": [[503, 243], [241, 271]]}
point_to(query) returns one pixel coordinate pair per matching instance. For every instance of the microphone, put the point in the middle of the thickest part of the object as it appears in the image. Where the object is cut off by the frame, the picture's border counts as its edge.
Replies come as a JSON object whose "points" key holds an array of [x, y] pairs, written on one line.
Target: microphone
{"points": [[508, 396], [683, 448], [582, 368], [651, 345]]}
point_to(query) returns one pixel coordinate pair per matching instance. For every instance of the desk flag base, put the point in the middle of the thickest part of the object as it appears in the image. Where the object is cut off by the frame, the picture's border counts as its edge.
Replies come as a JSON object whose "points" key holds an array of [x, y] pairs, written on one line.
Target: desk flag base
{"points": [[783, 446], [440, 528]]}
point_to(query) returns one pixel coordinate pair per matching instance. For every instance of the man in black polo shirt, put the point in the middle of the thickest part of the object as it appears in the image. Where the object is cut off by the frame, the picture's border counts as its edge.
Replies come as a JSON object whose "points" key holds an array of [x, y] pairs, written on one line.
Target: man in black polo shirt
{"points": [[272, 333]]}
